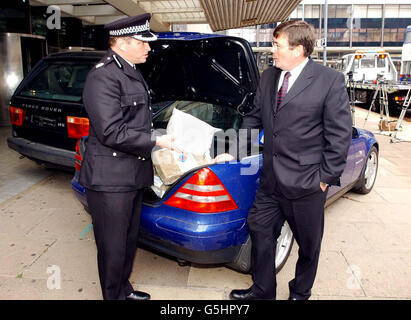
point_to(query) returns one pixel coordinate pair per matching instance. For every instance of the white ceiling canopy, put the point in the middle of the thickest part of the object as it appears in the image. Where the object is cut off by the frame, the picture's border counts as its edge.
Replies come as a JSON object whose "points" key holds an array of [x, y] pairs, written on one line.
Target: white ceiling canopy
{"points": [[219, 14]]}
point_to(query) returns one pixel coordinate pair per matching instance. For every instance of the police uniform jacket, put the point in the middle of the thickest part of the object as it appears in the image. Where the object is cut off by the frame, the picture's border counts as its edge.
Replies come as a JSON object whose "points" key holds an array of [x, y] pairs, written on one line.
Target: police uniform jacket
{"points": [[118, 153]]}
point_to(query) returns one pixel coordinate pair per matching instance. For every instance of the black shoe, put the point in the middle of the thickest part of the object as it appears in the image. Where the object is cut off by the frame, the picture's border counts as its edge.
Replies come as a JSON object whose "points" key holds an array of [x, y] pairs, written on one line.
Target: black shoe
{"points": [[293, 298], [246, 295], [138, 295]]}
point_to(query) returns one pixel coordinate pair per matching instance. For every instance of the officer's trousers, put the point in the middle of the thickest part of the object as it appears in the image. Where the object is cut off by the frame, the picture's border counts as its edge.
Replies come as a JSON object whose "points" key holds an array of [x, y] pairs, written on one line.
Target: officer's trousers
{"points": [[116, 221]]}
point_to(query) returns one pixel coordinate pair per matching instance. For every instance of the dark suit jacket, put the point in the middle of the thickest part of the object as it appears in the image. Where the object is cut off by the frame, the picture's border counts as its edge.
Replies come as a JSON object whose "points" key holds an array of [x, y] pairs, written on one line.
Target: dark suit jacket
{"points": [[307, 139], [118, 153]]}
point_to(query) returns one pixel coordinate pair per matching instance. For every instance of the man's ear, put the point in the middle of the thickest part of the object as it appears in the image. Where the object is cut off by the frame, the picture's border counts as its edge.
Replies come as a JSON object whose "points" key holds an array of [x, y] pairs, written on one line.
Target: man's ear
{"points": [[121, 44], [299, 51], [296, 51]]}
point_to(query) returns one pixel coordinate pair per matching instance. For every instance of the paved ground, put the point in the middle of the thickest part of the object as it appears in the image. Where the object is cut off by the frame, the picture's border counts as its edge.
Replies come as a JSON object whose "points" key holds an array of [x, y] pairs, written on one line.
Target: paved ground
{"points": [[45, 233]]}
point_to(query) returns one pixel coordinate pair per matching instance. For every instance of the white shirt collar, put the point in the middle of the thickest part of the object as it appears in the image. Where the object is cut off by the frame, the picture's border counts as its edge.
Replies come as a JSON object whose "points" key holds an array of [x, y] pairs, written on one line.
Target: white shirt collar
{"points": [[131, 64], [297, 70], [294, 74]]}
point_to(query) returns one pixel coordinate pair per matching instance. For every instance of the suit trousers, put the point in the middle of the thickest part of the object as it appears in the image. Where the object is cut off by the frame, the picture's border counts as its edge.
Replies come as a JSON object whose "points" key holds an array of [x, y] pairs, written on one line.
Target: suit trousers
{"points": [[116, 221], [305, 217]]}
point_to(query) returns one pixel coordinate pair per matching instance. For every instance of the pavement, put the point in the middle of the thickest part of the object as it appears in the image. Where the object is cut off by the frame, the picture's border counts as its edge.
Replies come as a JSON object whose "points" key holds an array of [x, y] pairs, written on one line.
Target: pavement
{"points": [[47, 247]]}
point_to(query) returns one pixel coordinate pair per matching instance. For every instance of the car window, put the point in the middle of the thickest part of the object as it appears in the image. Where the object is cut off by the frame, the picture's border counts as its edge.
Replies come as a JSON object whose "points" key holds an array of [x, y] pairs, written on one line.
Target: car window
{"points": [[58, 81], [215, 115], [367, 63], [380, 63]]}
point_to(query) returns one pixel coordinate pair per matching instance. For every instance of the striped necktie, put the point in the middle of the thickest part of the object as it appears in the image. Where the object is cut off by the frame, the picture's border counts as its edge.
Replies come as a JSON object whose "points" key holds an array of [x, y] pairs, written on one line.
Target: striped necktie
{"points": [[283, 90]]}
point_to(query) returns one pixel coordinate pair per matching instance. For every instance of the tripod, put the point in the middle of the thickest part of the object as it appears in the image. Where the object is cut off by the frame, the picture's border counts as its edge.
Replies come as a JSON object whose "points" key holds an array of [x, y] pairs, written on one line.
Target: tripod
{"points": [[404, 108], [382, 95]]}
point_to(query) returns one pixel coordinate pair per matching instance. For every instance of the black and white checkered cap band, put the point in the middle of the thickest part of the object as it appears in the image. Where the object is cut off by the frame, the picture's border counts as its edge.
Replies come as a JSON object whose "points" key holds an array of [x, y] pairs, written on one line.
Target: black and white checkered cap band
{"points": [[130, 30]]}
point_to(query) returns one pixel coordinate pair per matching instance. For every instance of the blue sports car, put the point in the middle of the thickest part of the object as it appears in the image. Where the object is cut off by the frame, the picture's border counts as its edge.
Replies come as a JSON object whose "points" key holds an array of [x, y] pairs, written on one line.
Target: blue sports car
{"points": [[201, 217]]}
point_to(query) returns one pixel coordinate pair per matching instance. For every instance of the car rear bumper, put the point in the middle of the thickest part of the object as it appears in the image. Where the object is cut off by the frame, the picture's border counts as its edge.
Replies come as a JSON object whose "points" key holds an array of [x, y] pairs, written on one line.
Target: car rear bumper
{"points": [[42, 152], [224, 255], [207, 244]]}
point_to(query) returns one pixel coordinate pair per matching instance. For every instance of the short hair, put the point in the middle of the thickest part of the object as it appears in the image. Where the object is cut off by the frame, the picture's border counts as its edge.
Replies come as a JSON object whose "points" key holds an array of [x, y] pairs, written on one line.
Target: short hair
{"points": [[298, 32], [113, 40]]}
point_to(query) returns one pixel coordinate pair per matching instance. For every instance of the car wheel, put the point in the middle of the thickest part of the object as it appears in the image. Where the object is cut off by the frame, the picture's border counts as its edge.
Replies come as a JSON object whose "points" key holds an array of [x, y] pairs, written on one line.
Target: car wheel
{"points": [[285, 242], [369, 175], [284, 245]]}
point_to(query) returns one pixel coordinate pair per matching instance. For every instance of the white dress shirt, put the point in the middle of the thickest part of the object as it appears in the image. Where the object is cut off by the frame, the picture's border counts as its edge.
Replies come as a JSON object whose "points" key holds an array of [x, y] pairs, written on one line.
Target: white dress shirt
{"points": [[294, 75]]}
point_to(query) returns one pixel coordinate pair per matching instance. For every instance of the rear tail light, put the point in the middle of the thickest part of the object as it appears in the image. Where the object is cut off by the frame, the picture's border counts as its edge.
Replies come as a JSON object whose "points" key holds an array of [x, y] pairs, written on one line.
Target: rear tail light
{"points": [[382, 56], [398, 98], [17, 116], [77, 161], [203, 193], [77, 127], [358, 56]]}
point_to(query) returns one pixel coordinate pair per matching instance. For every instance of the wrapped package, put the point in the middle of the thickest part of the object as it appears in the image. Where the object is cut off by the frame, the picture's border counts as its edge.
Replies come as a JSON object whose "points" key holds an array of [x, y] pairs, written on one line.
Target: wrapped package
{"points": [[159, 187], [194, 137], [171, 165]]}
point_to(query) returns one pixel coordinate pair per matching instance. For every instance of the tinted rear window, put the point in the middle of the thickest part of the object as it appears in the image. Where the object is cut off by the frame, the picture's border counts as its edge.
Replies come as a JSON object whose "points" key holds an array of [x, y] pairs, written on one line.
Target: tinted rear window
{"points": [[59, 81]]}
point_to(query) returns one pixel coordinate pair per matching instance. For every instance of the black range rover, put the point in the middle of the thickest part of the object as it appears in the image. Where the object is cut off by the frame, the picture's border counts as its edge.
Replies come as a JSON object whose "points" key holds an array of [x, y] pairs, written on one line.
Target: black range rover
{"points": [[46, 110]]}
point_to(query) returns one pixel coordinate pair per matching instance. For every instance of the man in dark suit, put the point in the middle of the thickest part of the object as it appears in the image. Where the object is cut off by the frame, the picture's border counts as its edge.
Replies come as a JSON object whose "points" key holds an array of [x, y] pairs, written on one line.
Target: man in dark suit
{"points": [[117, 161], [304, 110]]}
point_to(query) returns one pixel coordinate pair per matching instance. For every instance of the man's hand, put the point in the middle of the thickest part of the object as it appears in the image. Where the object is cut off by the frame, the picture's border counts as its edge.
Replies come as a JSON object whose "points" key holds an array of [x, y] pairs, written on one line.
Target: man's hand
{"points": [[167, 141], [323, 186], [224, 157]]}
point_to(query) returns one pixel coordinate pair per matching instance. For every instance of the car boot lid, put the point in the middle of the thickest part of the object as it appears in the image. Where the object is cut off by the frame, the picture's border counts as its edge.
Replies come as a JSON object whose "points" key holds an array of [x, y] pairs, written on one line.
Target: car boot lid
{"points": [[197, 67]]}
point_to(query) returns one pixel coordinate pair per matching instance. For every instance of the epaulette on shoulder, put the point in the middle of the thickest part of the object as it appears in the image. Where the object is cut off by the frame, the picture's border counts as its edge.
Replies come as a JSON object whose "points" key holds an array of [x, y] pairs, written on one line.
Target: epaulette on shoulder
{"points": [[104, 62]]}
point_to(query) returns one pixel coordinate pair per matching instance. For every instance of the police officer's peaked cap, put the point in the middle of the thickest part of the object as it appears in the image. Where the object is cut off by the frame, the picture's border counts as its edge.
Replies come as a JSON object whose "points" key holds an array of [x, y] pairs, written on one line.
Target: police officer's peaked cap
{"points": [[137, 27]]}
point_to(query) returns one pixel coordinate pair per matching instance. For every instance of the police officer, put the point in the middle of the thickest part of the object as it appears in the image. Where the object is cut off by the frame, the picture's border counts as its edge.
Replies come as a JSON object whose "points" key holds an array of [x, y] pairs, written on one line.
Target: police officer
{"points": [[117, 165]]}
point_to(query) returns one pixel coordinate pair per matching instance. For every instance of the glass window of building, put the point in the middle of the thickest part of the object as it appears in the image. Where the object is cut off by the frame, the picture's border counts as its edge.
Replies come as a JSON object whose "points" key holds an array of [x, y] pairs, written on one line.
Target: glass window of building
{"points": [[367, 23], [360, 11], [297, 13], [391, 10], [374, 11], [338, 25], [265, 37], [405, 11], [343, 11], [311, 12], [312, 17], [397, 18]]}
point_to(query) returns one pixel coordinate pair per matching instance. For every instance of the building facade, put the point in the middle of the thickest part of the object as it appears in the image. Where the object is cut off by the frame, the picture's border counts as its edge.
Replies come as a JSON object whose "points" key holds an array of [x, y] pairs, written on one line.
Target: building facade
{"points": [[350, 24]]}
